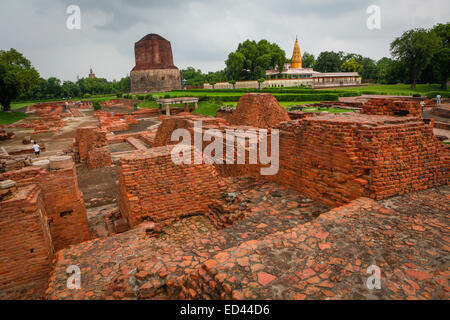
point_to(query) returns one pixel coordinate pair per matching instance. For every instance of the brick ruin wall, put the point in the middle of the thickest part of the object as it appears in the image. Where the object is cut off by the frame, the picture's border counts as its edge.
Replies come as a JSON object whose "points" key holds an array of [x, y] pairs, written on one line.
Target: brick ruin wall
{"points": [[338, 158], [150, 188], [63, 201], [27, 250], [91, 144], [392, 107]]}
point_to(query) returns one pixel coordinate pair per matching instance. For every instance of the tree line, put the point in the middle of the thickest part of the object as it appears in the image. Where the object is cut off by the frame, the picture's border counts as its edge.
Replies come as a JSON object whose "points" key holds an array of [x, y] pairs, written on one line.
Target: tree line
{"points": [[418, 55]]}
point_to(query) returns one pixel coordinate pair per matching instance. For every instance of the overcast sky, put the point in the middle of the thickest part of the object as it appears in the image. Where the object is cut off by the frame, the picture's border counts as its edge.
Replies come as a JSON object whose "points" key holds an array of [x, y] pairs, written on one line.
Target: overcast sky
{"points": [[202, 32]]}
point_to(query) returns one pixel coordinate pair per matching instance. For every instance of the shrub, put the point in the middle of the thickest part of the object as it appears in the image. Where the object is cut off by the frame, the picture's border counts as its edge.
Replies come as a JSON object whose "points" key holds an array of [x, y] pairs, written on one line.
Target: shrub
{"points": [[149, 97], [433, 94], [87, 95], [119, 95], [141, 98], [97, 106]]}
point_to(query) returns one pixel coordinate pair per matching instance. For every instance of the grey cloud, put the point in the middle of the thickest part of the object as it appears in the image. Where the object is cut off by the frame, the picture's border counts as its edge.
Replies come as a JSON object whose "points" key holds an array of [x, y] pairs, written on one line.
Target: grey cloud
{"points": [[202, 32]]}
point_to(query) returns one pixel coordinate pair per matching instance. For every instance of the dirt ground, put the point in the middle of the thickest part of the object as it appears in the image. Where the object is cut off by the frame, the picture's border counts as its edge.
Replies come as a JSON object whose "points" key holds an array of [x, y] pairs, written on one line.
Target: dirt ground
{"points": [[98, 185]]}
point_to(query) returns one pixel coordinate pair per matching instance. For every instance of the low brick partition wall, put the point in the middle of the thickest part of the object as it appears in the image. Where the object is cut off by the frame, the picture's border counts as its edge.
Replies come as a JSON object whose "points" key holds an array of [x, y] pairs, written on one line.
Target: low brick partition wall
{"points": [[26, 249], [91, 143], [392, 107], [153, 188], [99, 158], [64, 203], [338, 158]]}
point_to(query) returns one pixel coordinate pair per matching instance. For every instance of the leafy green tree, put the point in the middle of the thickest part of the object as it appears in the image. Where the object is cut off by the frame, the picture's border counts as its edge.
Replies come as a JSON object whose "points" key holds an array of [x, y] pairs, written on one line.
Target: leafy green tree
{"points": [[369, 71], [193, 76], [329, 61], [260, 82], [251, 60], [212, 83], [17, 76], [383, 68], [308, 60], [441, 58], [415, 48], [352, 65], [233, 83]]}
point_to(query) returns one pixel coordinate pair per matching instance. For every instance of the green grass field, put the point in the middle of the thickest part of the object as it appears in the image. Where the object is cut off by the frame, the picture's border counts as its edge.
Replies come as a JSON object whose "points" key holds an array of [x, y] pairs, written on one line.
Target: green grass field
{"points": [[210, 107], [11, 117], [21, 104], [392, 89]]}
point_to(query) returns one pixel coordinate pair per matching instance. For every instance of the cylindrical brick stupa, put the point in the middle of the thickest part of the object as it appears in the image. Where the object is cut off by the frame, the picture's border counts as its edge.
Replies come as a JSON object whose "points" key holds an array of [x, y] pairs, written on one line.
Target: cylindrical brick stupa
{"points": [[154, 70]]}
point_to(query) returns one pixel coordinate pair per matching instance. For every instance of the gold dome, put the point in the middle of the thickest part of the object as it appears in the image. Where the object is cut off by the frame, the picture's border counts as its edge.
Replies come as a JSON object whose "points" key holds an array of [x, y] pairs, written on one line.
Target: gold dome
{"points": [[296, 56]]}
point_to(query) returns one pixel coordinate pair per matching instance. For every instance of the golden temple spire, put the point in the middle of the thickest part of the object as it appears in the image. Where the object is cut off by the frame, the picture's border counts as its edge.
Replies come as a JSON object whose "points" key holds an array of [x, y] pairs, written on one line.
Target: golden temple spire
{"points": [[296, 56]]}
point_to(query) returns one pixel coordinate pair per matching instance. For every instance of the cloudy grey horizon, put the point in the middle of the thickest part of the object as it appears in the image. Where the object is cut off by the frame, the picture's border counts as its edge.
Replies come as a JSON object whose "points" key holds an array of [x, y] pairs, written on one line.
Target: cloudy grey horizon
{"points": [[202, 33]]}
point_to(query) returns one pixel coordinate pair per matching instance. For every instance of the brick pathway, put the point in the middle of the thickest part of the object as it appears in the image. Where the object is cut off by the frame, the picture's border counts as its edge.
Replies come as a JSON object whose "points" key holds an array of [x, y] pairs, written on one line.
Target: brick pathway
{"points": [[286, 247]]}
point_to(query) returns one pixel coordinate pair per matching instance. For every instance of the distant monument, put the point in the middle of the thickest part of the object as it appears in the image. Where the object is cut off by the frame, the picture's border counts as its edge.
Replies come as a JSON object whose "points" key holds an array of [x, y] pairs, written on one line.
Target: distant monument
{"points": [[91, 74], [154, 70]]}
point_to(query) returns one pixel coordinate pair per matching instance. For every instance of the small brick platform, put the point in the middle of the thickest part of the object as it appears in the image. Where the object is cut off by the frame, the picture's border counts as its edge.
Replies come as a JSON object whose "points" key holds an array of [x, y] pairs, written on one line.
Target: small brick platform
{"points": [[150, 188]]}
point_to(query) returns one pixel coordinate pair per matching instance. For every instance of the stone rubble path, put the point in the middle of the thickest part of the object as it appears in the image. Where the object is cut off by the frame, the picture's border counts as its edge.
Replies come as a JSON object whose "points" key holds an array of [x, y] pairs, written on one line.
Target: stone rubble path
{"points": [[286, 247]]}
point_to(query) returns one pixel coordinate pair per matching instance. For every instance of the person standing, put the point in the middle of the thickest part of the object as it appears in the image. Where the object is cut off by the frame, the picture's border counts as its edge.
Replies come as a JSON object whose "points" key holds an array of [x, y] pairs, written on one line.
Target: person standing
{"points": [[37, 149], [438, 100]]}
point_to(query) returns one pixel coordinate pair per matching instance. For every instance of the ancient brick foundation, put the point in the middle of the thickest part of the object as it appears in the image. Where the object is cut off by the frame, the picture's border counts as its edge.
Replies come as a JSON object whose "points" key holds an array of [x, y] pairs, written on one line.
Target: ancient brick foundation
{"points": [[150, 188], [27, 250], [63, 200], [99, 157], [260, 110], [338, 158], [392, 107], [92, 146]]}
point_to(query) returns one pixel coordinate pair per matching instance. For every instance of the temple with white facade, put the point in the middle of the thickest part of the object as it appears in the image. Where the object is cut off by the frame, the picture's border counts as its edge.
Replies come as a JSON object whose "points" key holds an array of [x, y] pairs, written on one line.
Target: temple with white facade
{"points": [[294, 75]]}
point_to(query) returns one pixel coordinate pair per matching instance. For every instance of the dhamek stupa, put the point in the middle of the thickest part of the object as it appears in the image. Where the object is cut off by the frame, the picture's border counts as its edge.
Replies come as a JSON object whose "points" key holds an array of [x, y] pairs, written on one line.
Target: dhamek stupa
{"points": [[154, 70]]}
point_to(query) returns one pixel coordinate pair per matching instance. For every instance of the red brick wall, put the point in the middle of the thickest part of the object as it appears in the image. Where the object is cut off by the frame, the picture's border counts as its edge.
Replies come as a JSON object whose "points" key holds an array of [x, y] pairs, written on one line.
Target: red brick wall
{"points": [[152, 187], [89, 138], [61, 195], [338, 158], [26, 248], [392, 107], [65, 208], [99, 157]]}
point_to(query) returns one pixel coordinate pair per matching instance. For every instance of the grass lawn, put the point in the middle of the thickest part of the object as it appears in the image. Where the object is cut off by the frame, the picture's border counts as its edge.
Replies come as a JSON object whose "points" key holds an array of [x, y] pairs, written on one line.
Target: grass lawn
{"points": [[21, 104], [11, 117], [391, 89]]}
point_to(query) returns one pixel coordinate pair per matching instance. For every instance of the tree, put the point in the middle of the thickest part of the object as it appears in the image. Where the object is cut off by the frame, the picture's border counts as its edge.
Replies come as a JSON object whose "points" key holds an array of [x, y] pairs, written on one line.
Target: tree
{"points": [[369, 69], [329, 61], [415, 48], [383, 66], [212, 83], [233, 83], [251, 60], [17, 77], [352, 66], [441, 58], [308, 60], [260, 82]]}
